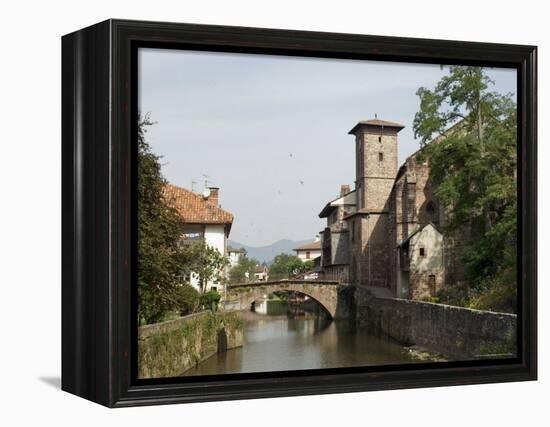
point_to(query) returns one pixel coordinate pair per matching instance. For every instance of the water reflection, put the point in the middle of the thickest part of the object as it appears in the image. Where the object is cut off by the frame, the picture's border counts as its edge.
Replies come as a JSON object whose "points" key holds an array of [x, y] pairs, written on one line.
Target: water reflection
{"points": [[291, 338]]}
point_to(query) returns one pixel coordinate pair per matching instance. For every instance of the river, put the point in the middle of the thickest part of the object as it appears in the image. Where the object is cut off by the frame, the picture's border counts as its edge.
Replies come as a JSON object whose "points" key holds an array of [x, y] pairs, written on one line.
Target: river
{"points": [[279, 340]]}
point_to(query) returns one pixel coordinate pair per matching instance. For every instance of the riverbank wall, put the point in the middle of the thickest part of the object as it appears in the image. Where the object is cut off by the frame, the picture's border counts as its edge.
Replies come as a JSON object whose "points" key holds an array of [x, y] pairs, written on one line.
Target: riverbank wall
{"points": [[168, 349], [457, 333]]}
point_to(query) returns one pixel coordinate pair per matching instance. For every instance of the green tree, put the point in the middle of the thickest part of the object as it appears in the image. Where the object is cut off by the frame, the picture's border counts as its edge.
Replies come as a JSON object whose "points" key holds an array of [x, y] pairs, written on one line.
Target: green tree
{"points": [[297, 266], [207, 262], [473, 168], [285, 266], [189, 300], [210, 300], [161, 259], [238, 273]]}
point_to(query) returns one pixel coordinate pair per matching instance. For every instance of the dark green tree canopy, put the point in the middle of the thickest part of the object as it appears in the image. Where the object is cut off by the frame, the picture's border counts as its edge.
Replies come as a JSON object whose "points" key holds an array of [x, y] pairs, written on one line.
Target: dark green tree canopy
{"points": [[473, 168], [246, 265], [164, 262], [207, 262], [285, 266], [161, 260]]}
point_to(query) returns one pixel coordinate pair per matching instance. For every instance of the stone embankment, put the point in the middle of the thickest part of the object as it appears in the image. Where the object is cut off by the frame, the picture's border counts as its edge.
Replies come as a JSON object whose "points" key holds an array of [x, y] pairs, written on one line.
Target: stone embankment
{"points": [[458, 333], [168, 349]]}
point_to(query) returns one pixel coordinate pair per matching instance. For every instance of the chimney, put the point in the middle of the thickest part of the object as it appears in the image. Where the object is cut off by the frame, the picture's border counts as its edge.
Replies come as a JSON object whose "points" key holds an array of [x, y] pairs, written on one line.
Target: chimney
{"points": [[344, 189], [213, 197]]}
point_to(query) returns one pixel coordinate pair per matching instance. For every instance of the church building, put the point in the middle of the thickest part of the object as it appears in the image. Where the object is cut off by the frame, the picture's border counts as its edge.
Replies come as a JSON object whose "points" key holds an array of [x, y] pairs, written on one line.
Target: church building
{"points": [[385, 233]]}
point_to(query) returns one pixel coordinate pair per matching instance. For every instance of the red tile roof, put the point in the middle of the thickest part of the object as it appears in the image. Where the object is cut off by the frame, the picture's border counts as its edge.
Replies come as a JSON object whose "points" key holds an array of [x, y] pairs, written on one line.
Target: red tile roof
{"points": [[194, 208]]}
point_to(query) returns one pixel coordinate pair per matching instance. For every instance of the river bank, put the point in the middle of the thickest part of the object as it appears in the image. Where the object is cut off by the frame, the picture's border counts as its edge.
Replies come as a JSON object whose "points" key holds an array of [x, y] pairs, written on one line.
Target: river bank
{"points": [[169, 349]]}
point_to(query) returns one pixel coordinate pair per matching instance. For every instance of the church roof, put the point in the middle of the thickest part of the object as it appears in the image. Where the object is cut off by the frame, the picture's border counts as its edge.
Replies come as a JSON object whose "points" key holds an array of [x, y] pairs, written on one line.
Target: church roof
{"points": [[377, 122], [193, 208]]}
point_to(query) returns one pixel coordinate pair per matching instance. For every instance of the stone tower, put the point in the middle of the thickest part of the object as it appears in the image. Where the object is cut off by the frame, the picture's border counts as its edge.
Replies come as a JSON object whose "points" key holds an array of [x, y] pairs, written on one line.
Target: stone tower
{"points": [[370, 231]]}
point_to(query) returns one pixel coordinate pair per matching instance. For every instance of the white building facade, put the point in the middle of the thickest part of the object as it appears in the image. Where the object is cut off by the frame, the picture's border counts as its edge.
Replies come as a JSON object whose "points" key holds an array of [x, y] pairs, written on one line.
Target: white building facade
{"points": [[204, 220], [235, 255], [309, 251]]}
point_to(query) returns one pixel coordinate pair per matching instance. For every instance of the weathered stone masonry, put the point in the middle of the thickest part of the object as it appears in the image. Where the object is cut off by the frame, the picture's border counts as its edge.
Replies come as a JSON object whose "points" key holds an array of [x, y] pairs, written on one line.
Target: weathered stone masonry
{"points": [[168, 349], [387, 207], [455, 332], [330, 295]]}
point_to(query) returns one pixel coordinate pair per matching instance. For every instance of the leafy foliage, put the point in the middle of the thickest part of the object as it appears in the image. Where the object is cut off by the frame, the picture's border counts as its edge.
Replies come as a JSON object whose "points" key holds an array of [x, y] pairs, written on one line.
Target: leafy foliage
{"points": [[189, 300], [285, 266], [163, 261], [297, 266], [210, 300], [207, 262], [246, 265], [473, 168]]}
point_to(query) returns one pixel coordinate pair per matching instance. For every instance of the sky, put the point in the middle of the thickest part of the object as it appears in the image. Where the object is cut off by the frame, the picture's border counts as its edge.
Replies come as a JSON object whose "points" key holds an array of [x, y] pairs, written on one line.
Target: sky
{"points": [[272, 131]]}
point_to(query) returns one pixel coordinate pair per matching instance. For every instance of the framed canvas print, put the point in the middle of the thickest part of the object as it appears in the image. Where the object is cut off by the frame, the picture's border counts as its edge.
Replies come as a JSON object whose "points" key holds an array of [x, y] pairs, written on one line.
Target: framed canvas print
{"points": [[258, 213]]}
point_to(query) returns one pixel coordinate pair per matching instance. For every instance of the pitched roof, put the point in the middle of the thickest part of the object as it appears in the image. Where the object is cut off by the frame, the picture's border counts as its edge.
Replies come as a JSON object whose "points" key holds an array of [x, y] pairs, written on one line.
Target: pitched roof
{"points": [[260, 269], [329, 207], [450, 130], [418, 230], [309, 246], [236, 250], [377, 122], [193, 208]]}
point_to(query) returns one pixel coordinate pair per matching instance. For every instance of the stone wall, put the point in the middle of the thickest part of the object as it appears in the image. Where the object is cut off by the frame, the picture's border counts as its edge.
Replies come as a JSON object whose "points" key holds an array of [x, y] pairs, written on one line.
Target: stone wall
{"points": [[455, 332], [168, 349], [339, 247], [324, 292], [338, 273], [370, 250]]}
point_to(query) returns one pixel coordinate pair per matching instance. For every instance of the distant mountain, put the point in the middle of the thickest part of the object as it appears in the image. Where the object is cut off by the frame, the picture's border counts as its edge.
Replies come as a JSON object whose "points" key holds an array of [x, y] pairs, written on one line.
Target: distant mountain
{"points": [[267, 253]]}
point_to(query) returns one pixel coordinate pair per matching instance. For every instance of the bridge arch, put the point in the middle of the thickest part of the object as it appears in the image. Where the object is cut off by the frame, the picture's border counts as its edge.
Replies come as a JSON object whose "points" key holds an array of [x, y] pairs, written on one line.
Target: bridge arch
{"points": [[324, 292]]}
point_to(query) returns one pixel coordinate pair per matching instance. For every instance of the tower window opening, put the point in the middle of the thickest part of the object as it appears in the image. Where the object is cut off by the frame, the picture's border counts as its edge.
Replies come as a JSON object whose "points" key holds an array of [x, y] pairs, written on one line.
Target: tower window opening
{"points": [[379, 139], [380, 156]]}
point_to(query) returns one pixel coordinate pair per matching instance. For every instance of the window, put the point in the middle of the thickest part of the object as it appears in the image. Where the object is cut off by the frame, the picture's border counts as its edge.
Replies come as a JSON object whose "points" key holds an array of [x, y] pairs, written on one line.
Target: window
{"points": [[193, 236], [379, 139], [380, 156], [430, 208], [431, 212], [422, 252], [308, 254]]}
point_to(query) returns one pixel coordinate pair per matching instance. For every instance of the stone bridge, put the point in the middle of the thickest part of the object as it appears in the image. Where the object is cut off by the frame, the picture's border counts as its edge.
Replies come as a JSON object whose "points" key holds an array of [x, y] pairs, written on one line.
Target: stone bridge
{"points": [[326, 293]]}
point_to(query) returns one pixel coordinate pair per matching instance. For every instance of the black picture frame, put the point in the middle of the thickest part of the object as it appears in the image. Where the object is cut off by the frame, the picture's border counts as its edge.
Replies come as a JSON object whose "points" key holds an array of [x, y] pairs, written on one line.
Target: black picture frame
{"points": [[99, 205]]}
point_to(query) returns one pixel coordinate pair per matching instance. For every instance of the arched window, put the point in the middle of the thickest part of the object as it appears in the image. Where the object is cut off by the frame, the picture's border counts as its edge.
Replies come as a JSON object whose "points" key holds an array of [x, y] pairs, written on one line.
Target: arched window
{"points": [[431, 212]]}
